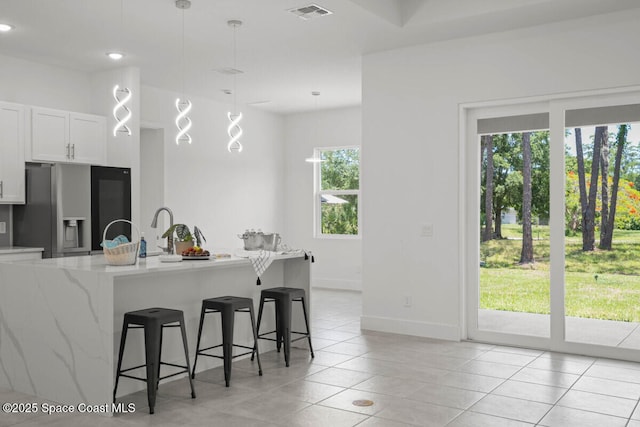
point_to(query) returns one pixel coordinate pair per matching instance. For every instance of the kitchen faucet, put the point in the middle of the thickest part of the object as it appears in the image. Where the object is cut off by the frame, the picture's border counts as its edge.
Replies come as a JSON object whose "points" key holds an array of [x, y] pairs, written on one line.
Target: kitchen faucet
{"points": [[154, 224]]}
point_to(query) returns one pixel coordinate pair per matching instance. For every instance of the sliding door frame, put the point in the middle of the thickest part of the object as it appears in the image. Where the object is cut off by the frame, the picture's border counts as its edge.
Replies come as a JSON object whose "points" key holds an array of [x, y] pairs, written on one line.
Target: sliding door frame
{"points": [[469, 220]]}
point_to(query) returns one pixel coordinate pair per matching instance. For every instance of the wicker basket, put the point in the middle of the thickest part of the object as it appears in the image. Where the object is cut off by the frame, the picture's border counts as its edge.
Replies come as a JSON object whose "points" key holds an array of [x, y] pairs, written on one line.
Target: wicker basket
{"points": [[126, 254]]}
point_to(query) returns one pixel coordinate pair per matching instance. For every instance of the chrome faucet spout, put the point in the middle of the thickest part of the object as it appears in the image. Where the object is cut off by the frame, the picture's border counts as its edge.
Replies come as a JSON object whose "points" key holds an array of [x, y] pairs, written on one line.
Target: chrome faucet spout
{"points": [[154, 224]]}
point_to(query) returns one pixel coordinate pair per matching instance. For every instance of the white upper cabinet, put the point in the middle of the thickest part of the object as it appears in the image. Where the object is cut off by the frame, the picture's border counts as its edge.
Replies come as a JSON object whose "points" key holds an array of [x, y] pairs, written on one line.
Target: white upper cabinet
{"points": [[88, 138], [11, 153], [50, 135], [63, 136]]}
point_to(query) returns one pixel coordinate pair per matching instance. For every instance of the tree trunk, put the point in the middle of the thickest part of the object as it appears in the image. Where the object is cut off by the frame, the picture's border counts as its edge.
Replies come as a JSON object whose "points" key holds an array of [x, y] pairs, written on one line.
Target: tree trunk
{"points": [[488, 195], [604, 192], [582, 185], [581, 179], [589, 219], [621, 141], [526, 256], [498, 223]]}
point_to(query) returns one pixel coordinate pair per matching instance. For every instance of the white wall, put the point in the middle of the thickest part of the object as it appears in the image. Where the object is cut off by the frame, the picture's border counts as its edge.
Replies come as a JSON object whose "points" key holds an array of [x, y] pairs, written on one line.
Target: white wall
{"points": [[205, 185], [338, 262], [152, 185], [31, 83], [410, 113]]}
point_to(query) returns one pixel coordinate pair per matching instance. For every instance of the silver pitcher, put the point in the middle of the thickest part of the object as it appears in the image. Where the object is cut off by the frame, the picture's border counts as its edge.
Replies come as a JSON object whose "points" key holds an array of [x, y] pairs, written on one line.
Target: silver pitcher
{"points": [[271, 241]]}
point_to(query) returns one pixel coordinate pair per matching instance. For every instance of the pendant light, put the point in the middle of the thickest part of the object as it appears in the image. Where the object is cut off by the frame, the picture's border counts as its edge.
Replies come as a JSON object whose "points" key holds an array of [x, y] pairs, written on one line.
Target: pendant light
{"points": [[122, 95], [314, 158], [234, 130], [183, 122]]}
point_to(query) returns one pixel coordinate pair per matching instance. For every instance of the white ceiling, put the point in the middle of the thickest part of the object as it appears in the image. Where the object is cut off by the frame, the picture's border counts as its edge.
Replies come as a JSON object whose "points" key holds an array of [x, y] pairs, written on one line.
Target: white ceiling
{"points": [[283, 57]]}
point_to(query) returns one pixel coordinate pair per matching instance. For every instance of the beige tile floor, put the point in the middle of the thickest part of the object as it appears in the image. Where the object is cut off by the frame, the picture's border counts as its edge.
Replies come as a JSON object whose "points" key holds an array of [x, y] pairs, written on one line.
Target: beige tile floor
{"points": [[581, 330], [411, 381]]}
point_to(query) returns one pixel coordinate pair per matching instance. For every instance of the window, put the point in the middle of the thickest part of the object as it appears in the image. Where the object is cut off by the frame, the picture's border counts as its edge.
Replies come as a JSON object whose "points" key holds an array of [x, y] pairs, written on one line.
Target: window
{"points": [[337, 191]]}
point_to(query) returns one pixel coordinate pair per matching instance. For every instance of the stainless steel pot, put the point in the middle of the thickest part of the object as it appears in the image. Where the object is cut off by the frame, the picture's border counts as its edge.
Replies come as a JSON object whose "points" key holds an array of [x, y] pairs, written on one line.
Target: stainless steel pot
{"points": [[253, 240], [271, 241]]}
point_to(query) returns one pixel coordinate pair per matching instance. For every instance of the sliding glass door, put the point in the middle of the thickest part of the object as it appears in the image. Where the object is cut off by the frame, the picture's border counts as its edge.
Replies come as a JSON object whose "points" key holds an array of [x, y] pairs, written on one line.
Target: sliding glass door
{"points": [[552, 225], [602, 244]]}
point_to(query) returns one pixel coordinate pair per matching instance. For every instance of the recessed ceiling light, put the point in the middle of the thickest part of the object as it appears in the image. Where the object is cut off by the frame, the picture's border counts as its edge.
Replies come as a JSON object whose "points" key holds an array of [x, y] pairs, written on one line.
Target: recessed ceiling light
{"points": [[6, 27], [116, 56]]}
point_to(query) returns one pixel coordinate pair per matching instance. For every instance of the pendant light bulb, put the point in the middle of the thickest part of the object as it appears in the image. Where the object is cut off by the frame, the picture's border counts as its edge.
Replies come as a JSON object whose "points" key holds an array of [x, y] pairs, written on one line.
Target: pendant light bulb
{"points": [[235, 132], [183, 122], [122, 97]]}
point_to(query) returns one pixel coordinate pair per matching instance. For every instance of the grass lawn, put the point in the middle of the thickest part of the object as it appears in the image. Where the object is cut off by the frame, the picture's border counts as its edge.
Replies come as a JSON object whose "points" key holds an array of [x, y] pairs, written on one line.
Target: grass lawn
{"points": [[599, 284]]}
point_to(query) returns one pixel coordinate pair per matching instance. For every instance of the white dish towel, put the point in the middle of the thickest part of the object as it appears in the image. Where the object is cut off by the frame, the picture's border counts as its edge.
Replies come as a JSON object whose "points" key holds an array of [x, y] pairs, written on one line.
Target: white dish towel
{"points": [[261, 259]]}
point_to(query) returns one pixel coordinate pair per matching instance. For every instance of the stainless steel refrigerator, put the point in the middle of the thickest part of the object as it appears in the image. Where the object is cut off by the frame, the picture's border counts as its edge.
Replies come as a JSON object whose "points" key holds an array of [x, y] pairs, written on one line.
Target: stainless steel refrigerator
{"points": [[110, 200], [57, 212]]}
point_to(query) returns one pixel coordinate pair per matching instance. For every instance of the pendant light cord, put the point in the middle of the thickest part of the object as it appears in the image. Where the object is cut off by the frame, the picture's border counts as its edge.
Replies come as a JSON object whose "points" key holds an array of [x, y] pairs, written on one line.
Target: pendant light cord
{"points": [[235, 68], [121, 38], [183, 95]]}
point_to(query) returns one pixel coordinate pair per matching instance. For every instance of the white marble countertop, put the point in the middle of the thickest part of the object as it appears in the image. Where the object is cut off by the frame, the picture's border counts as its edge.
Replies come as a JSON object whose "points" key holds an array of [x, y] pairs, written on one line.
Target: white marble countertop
{"points": [[149, 265], [18, 250]]}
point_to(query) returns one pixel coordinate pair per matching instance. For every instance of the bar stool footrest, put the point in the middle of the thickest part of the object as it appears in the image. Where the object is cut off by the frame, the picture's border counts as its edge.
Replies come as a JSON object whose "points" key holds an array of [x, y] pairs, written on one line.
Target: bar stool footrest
{"points": [[298, 339], [201, 352], [185, 370], [262, 335]]}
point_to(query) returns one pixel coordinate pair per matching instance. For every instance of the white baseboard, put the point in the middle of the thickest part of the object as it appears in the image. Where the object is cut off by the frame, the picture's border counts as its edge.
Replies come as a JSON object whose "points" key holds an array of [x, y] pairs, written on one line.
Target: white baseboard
{"points": [[410, 327], [340, 284]]}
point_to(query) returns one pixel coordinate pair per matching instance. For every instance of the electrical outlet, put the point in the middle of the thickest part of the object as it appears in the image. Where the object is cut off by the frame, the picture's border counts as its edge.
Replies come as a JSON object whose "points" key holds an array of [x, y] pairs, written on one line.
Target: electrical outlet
{"points": [[407, 301], [426, 230], [3, 227]]}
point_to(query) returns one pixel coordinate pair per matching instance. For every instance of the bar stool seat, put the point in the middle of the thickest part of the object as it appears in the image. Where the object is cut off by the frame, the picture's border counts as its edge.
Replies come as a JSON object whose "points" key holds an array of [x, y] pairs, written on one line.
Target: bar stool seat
{"points": [[227, 307], [153, 321], [284, 298]]}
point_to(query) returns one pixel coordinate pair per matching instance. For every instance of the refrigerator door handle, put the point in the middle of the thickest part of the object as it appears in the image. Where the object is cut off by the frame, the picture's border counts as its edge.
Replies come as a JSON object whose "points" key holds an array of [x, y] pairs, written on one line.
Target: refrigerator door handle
{"points": [[27, 189]]}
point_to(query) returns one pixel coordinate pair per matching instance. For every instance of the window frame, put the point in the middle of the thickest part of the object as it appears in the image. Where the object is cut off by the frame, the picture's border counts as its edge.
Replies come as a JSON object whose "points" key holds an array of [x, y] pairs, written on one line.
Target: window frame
{"points": [[318, 193]]}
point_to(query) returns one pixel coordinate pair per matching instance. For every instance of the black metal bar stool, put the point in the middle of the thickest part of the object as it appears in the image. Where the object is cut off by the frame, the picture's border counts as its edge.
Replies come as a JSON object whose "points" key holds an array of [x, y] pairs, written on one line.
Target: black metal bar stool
{"points": [[227, 307], [153, 321], [284, 298]]}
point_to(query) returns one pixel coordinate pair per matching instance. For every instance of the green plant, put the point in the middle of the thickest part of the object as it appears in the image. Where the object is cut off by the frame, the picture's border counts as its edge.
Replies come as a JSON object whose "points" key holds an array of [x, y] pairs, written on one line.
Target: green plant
{"points": [[184, 234]]}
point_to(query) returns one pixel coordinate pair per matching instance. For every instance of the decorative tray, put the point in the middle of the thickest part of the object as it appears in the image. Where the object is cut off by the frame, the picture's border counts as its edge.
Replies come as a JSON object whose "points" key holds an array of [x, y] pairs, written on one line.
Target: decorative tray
{"points": [[193, 258]]}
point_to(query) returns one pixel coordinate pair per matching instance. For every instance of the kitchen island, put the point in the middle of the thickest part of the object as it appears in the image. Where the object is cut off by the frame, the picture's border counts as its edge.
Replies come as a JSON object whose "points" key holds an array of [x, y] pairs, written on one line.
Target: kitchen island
{"points": [[19, 253], [61, 318]]}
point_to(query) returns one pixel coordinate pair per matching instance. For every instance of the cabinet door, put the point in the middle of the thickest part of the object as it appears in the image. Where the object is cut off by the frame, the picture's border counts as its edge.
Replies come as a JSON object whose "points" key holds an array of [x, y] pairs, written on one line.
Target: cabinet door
{"points": [[88, 136], [11, 153], [50, 135]]}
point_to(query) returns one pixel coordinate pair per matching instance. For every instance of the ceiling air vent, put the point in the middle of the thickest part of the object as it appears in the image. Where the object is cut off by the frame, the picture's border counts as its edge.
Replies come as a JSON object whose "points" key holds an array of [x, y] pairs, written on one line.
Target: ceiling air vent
{"points": [[310, 12], [229, 71]]}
